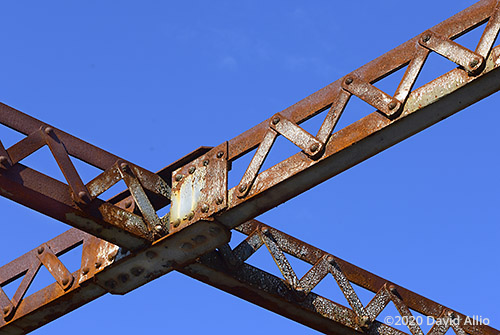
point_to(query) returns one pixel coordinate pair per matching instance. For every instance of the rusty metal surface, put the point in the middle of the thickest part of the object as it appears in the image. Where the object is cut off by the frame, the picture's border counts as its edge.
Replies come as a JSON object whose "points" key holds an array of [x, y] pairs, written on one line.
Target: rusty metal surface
{"points": [[204, 209], [105, 268], [294, 298]]}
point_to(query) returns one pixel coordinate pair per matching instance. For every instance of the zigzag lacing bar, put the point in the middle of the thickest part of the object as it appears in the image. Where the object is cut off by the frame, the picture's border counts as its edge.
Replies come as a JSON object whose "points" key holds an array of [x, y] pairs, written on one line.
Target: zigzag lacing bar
{"points": [[364, 319], [472, 62], [137, 179], [30, 263]]}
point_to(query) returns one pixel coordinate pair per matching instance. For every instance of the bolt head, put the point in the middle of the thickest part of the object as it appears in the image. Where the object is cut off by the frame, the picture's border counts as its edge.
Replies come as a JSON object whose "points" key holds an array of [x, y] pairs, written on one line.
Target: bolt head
{"points": [[85, 270], [348, 81], [4, 161], [41, 250], [264, 230], [330, 258], [128, 203], [392, 105], [242, 188], [276, 120], [220, 154], [426, 38], [49, 130], [205, 162], [98, 264], [392, 288], [474, 63], [124, 166], [159, 228], [65, 281], [204, 208], [179, 177], [83, 196], [314, 147], [192, 169]]}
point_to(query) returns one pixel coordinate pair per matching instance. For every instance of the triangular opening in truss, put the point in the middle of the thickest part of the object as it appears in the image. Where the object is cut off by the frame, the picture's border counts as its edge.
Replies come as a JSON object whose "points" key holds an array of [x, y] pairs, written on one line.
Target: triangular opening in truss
{"points": [[86, 171], [313, 125], [299, 266], [471, 39], [42, 279], [355, 110], [11, 288], [72, 259], [390, 83], [330, 289], [263, 260], [280, 151], [43, 161], [364, 295], [423, 321], [9, 137], [391, 317], [238, 168], [236, 238]]}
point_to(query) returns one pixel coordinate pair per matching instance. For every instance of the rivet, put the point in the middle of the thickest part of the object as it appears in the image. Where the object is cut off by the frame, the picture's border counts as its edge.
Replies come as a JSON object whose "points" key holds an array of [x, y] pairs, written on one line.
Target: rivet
{"points": [[426, 38], [110, 283], [473, 63], [124, 166], [314, 147], [179, 177], [98, 264], [190, 215], [137, 271], [392, 105], [242, 188], [123, 277], [85, 270], [330, 258], [111, 257], [128, 203], [6, 310], [219, 200], [83, 196], [177, 223], [220, 154], [40, 250], [204, 208], [65, 281], [159, 228], [151, 254], [205, 162], [348, 81], [49, 130], [4, 161], [276, 120], [392, 288], [264, 230], [192, 169]]}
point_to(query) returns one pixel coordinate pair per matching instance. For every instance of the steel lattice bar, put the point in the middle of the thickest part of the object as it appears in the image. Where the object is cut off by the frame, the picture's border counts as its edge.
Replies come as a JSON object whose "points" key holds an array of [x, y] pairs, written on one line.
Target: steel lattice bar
{"points": [[106, 269]]}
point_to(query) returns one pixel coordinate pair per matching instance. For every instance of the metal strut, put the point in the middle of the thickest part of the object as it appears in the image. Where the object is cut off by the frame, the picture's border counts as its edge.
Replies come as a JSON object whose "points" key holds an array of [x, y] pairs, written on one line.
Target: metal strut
{"points": [[204, 210]]}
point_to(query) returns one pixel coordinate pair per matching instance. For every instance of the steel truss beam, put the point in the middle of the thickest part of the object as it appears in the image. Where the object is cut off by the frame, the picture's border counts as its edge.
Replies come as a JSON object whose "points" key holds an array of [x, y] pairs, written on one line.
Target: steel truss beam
{"points": [[203, 209], [104, 268]]}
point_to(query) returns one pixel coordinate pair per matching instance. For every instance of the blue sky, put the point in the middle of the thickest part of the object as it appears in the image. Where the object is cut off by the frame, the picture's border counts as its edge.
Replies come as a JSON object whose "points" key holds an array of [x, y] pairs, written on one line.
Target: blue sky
{"points": [[153, 80]]}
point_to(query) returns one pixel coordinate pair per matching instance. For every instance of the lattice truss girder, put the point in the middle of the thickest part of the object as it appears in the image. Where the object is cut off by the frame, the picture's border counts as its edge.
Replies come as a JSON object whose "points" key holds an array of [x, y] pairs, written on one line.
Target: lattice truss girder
{"points": [[106, 268], [203, 209]]}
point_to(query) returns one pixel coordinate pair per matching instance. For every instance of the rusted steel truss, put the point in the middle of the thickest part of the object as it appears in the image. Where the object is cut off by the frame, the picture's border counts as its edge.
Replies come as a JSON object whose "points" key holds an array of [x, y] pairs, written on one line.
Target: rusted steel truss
{"points": [[203, 208], [105, 268]]}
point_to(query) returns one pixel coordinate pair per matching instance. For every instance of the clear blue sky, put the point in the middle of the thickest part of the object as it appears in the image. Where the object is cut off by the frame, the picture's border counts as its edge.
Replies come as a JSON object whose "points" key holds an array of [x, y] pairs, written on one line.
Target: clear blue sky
{"points": [[153, 80]]}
